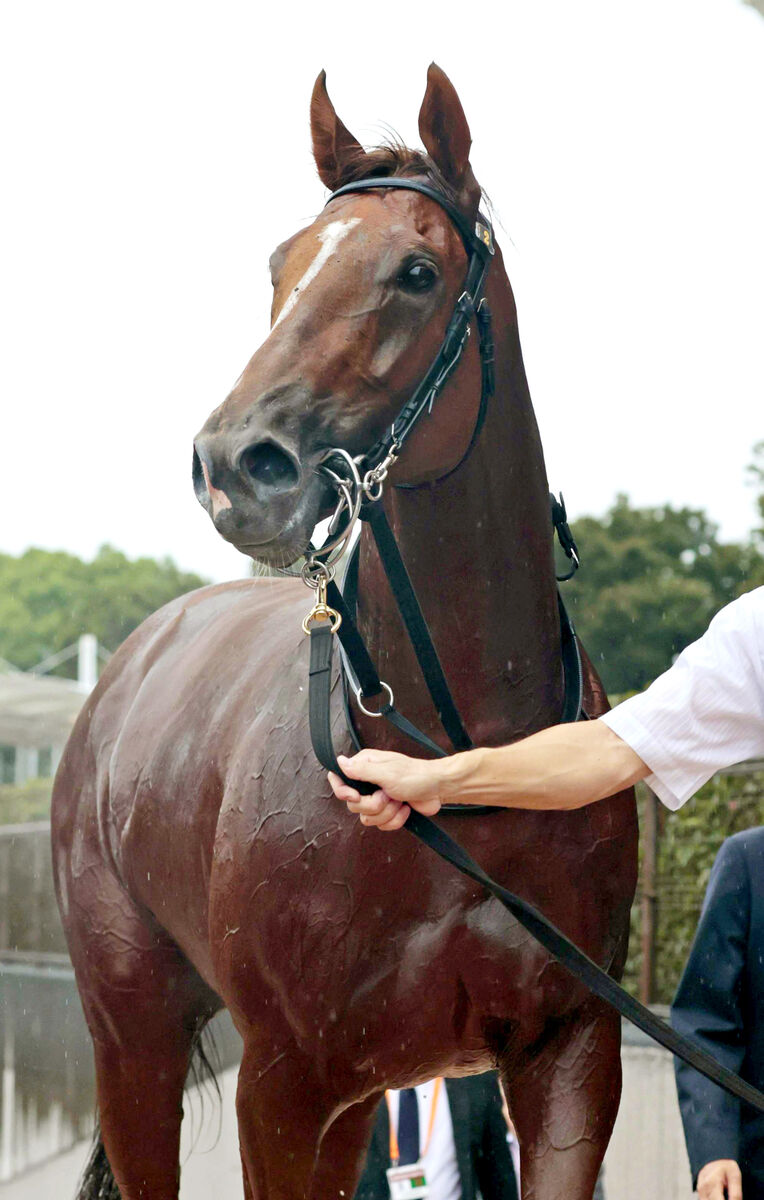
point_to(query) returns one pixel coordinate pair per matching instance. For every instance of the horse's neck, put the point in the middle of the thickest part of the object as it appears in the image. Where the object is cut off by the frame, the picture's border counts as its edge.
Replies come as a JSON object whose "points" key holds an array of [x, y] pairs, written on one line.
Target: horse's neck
{"points": [[478, 547]]}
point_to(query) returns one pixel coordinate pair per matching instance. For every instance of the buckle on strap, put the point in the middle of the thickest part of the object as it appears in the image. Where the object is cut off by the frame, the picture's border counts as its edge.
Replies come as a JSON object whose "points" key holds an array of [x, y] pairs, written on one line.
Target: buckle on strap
{"points": [[564, 534]]}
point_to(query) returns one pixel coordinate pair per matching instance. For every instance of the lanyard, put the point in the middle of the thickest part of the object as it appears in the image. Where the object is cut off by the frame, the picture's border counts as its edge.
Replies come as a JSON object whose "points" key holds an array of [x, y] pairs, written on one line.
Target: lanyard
{"points": [[394, 1151]]}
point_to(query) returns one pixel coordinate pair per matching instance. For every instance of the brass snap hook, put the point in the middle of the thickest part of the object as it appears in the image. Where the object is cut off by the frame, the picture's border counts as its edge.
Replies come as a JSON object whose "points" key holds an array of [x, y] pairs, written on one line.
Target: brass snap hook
{"points": [[321, 611]]}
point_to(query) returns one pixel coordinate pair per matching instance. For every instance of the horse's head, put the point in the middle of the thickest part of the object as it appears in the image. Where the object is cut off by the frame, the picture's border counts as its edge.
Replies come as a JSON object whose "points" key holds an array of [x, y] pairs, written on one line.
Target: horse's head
{"points": [[361, 302]]}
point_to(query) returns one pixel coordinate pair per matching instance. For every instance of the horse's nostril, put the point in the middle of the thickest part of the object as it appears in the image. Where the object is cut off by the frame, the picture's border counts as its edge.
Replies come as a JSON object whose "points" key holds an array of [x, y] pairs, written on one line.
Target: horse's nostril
{"points": [[270, 466], [196, 474]]}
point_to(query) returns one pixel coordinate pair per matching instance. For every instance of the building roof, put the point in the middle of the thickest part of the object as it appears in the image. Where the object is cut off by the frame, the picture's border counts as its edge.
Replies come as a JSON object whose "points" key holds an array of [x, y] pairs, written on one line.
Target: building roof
{"points": [[37, 711]]}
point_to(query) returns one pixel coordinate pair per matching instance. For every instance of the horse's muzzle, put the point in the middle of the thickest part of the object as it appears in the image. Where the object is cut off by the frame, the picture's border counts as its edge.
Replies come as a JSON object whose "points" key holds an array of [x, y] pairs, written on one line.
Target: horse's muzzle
{"points": [[260, 498]]}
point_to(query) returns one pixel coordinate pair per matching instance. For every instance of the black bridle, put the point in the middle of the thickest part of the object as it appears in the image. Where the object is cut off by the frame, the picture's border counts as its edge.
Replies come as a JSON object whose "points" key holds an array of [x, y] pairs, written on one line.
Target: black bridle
{"points": [[478, 242], [333, 614]]}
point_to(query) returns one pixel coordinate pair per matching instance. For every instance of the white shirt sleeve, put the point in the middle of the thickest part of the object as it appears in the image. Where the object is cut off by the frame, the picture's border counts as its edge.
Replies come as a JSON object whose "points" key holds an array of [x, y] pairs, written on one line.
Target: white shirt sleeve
{"points": [[707, 711]]}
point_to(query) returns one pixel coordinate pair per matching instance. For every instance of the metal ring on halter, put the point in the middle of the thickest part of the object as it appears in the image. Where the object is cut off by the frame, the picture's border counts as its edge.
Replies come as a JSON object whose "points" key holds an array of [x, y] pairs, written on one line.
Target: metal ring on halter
{"points": [[352, 494], [370, 481], [314, 573], [363, 707], [345, 501], [375, 478]]}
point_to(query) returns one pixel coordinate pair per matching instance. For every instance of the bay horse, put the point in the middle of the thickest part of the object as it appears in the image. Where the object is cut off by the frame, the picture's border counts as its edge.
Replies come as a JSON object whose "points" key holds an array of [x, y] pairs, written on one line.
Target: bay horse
{"points": [[200, 858]]}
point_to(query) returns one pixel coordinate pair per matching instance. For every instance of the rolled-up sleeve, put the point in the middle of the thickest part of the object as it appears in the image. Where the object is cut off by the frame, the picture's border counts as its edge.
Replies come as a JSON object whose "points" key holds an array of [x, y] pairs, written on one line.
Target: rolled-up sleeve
{"points": [[707, 711]]}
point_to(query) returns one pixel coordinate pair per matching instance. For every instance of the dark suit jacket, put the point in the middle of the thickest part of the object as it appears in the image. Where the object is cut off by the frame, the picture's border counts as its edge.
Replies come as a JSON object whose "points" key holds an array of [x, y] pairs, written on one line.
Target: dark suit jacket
{"points": [[480, 1139], [720, 1003]]}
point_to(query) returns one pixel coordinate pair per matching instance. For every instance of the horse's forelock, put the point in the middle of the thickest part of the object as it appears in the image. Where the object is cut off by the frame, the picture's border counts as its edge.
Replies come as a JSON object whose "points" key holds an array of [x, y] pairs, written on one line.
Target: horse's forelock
{"points": [[394, 159]]}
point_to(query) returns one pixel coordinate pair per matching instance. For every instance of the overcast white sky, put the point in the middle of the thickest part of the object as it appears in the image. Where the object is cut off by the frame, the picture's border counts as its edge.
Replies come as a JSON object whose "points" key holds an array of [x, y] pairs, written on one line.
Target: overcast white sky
{"points": [[156, 152]]}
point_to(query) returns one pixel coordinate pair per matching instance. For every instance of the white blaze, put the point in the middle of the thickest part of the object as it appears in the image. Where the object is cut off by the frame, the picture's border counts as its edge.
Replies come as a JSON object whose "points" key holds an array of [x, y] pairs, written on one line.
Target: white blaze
{"points": [[329, 238]]}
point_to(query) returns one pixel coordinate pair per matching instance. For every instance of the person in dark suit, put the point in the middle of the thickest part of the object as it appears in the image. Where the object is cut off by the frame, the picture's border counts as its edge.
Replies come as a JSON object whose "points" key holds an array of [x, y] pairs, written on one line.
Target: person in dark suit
{"points": [[720, 1004], [483, 1160]]}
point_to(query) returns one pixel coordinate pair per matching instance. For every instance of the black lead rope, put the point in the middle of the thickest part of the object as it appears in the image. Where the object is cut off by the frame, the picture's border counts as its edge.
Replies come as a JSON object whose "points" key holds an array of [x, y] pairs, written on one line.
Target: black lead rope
{"points": [[547, 934]]}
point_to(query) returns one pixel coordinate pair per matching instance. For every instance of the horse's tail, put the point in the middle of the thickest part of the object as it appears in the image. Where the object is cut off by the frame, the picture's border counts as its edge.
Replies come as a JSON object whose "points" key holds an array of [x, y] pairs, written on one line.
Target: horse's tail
{"points": [[97, 1181]]}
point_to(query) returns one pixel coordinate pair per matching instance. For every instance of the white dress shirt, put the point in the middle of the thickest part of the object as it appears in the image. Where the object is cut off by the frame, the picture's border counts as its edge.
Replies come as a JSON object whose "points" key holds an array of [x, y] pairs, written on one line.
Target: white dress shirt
{"points": [[707, 711], [439, 1157]]}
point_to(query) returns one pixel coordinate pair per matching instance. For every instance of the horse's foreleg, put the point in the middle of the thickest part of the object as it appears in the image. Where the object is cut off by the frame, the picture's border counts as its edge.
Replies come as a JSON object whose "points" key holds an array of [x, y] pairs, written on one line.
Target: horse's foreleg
{"points": [[342, 1153], [144, 1003], [564, 1104], [282, 1112]]}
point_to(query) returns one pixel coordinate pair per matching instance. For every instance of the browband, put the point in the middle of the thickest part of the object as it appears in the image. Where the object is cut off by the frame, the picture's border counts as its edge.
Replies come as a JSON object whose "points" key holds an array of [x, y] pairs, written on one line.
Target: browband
{"points": [[476, 241]]}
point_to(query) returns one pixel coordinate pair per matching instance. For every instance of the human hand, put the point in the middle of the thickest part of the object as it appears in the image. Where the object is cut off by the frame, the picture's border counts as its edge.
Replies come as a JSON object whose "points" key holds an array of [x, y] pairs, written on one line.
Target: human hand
{"points": [[720, 1180], [404, 783]]}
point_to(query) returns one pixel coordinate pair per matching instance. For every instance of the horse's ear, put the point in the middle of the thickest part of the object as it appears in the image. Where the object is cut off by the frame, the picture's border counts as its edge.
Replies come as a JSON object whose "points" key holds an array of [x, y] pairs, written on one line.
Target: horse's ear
{"points": [[446, 135], [335, 149]]}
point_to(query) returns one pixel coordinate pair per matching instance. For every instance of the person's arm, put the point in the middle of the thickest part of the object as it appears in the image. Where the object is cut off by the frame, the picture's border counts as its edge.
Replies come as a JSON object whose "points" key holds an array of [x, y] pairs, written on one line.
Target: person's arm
{"points": [[704, 713], [708, 1007], [564, 767]]}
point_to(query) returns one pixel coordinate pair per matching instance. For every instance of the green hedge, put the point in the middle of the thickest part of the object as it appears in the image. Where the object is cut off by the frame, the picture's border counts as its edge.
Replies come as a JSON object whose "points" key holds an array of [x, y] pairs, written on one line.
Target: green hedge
{"points": [[688, 842], [25, 802]]}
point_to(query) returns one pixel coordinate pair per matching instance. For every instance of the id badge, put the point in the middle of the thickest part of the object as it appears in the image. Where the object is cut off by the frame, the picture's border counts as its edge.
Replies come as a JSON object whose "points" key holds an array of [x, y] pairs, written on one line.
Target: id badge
{"points": [[408, 1183]]}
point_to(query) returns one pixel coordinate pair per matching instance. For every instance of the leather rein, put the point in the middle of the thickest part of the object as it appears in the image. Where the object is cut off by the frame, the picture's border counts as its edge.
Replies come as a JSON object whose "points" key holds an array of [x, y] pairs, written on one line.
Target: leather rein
{"points": [[359, 483]]}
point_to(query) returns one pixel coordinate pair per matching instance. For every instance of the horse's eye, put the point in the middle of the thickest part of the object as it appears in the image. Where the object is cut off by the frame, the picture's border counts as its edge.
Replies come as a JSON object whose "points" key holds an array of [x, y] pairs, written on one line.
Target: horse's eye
{"points": [[417, 277]]}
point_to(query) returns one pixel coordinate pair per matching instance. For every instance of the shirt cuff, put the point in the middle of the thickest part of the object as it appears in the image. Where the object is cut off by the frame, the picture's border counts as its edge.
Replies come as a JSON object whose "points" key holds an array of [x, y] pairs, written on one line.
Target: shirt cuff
{"points": [[644, 743]]}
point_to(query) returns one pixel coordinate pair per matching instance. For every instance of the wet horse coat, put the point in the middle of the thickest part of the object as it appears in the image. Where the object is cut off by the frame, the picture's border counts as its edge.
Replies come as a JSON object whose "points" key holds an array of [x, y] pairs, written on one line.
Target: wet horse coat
{"points": [[201, 860]]}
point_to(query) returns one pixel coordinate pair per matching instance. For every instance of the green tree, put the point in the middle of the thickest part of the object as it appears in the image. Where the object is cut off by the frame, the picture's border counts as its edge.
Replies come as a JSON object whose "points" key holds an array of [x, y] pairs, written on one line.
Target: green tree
{"points": [[650, 581], [48, 598], [756, 478]]}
